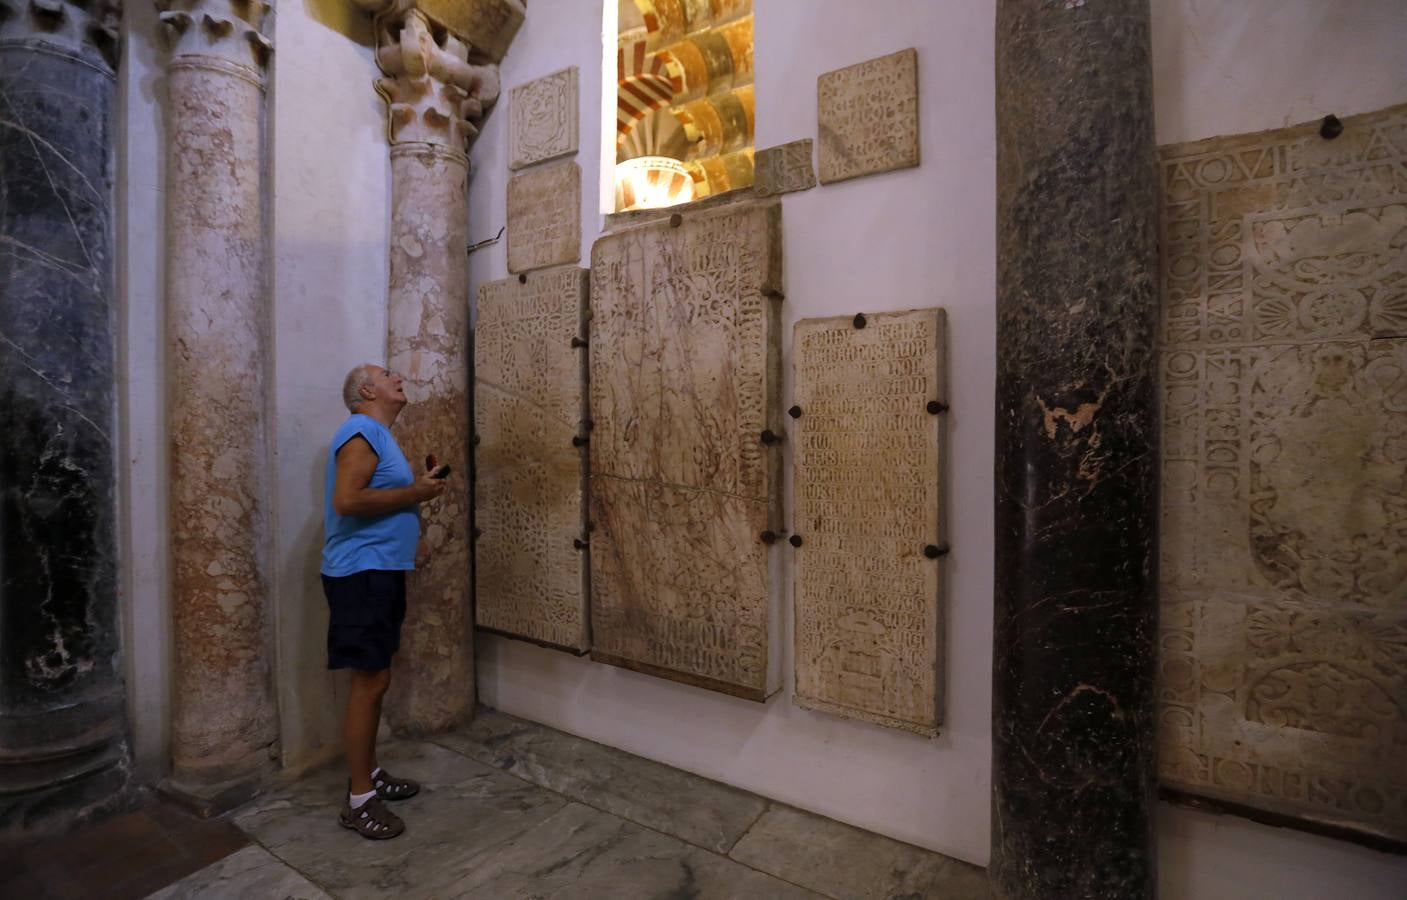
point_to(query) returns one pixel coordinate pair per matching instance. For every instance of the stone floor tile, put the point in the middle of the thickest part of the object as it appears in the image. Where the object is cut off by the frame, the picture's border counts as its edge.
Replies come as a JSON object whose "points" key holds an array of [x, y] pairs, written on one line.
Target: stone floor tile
{"points": [[584, 854], [849, 864], [691, 808], [250, 874], [463, 808]]}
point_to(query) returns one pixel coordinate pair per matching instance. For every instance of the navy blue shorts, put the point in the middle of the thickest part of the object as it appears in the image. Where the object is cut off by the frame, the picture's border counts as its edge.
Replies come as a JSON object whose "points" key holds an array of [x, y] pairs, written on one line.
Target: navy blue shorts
{"points": [[366, 611]]}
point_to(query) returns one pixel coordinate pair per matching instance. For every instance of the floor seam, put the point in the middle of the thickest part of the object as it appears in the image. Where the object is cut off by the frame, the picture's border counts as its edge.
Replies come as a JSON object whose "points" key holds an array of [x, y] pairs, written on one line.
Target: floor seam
{"points": [[767, 804]]}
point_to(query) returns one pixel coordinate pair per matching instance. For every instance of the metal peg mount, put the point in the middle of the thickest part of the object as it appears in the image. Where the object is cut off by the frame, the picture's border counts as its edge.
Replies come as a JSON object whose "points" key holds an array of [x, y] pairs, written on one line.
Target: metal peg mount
{"points": [[478, 439], [478, 533], [794, 540], [676, 220], [579, 440], [1330, 128], [772, 293], [768, 537], [579, 544], [577, 343], [522, 277], [859, 320], [794, 412], [588, 424], [935, 407], [933, 551], [770, 437]]}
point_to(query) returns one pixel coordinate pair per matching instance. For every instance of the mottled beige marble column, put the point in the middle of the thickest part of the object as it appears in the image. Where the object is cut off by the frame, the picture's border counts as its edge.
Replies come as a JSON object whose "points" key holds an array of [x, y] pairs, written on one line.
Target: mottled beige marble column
{"points": [[435, 97], [224, 718]]}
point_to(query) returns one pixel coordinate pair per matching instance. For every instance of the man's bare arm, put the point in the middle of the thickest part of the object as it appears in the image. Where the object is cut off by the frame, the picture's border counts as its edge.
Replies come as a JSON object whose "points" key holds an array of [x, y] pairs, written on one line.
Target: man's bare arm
{"points": [[352, 496]]}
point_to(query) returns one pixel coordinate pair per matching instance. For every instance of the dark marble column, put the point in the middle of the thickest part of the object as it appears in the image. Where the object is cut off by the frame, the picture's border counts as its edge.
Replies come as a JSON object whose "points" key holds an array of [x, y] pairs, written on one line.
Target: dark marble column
{"points": [[1073, 780], [63, 751]]}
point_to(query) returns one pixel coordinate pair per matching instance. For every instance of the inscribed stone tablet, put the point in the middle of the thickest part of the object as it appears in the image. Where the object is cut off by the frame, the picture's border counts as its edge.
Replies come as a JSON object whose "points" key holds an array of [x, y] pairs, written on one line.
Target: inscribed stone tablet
{"points": [[529, 577], [543, 121], [869, 623], [784, 169], [544, 217], [1283, 659], [868, 117], [685, 374]]}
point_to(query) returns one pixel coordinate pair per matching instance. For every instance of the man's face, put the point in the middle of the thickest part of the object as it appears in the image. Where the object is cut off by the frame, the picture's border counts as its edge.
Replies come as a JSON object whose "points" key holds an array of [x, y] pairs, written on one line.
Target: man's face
{"points": [[388, 385]]}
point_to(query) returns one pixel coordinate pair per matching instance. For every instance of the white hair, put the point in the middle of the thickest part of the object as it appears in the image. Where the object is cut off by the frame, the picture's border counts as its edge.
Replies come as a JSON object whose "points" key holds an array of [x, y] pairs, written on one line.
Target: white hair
{"points": [[352, 387]]}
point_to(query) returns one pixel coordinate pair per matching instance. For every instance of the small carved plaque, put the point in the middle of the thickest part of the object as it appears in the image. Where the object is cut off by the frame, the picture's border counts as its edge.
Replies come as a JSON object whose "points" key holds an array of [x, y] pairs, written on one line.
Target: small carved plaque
{"points": [[869, 622], [867, 116], [543, 119], [685, 374], [530, 569], [544, 217], [1283, 656], [784, 169]]}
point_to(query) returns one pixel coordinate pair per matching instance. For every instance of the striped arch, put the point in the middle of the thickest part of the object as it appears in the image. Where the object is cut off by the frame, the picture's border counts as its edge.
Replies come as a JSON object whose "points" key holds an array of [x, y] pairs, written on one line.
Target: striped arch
{"points": [[647, 81]]}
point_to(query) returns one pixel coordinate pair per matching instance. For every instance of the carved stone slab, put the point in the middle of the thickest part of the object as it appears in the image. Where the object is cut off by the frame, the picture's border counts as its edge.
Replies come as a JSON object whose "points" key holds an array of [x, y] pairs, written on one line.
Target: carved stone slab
{"points": [[685, 376], [869, 622], [1283, 661], [530, 577], [784, 169], [544, 119], [868, 117], [544, 217]]}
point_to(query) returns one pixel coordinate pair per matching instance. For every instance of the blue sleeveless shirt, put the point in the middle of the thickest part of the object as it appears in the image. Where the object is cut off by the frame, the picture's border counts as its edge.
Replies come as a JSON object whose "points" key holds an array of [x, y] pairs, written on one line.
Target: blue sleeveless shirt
{"points": [[354, 543]]}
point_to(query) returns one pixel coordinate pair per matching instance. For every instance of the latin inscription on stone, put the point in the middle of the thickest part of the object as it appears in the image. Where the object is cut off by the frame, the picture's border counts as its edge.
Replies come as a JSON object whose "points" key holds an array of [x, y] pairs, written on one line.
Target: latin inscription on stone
{"points": [[530, 574], [869, 623], [543, 119], [685, 374], [868, 117], [1283, 658], [784, 169], [544, 217]]}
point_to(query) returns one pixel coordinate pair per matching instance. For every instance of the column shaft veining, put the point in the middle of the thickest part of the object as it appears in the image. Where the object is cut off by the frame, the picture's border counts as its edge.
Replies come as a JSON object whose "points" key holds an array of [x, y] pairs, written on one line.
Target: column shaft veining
{"points": [[63, 748], [1073, 778], [224, 722]]}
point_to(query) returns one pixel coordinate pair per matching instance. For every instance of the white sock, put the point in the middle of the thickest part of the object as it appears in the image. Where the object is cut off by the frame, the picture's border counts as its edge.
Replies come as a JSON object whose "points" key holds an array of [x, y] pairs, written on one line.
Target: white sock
{"points": [[356, 800]]}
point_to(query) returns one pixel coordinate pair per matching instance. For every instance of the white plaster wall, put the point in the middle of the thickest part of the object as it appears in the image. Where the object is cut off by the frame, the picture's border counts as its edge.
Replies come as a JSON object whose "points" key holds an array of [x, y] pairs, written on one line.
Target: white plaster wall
{"points": [[142, 454], [921, 237], [329, 205]]}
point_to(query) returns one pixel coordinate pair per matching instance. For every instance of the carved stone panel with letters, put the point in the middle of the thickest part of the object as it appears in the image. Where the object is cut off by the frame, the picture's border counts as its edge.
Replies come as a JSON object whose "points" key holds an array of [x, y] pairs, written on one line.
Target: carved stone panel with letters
{"points": [[685, 378], [784, 169], [530, 575], [867, 116], [543, 119], [870, 397], [544, 217], [1283, 655]]}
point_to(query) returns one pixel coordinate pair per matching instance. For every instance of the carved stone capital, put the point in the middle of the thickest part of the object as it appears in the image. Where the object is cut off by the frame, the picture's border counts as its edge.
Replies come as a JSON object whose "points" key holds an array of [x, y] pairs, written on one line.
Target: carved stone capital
{"points": [[435, 95], [86, 28], [486, 26], [227, 30]]}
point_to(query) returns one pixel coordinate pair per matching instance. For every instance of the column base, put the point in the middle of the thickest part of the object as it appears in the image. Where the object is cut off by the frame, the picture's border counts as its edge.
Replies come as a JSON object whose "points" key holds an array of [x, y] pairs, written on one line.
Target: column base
{"points": [[210, 800]]}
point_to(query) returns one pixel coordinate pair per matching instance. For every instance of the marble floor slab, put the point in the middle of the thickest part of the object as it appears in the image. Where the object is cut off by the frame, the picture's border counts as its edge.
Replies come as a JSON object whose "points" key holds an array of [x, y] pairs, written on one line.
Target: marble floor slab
{"points": [[847, 863], [250, 874], [687, 806], [463, 809]]}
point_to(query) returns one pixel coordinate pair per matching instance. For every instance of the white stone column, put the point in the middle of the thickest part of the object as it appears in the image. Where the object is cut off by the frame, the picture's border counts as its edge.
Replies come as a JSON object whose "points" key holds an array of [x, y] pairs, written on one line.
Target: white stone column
{"points": [[434, 97], [224, 727]]}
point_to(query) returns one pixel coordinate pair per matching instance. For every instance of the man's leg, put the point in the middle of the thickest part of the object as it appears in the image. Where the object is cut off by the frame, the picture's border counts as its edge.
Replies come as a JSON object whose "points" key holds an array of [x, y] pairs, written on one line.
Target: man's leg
{"points": [[376, 725], [360, 724]]}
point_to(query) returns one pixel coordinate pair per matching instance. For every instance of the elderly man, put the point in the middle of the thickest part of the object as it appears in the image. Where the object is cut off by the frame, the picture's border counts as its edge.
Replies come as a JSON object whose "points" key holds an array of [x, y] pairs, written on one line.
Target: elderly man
{"points": [[372, 529]]}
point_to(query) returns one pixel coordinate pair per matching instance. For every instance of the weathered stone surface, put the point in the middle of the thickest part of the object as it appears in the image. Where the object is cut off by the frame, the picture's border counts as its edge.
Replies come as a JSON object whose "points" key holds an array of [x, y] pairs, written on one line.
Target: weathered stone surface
{"points": [[544, 119], [86, 30], [1074, 781], [544, 217], [1283, 666], [224, 718], [529, 392], [869, 619], [844, 862], [428, 319], [685, 374], [249, 874], [687, 806], [784, 169], [488, 26], [62, 706], [867, 116]]}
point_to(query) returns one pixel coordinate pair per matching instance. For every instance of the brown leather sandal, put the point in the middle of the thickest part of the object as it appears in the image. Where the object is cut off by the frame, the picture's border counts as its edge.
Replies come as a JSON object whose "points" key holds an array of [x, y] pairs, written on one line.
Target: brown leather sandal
{"points": [[371, 820], [389, 787]]}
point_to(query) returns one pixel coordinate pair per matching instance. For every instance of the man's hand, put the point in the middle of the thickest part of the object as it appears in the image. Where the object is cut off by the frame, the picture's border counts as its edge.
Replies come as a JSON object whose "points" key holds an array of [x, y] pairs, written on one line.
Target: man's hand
{"points": [[428, 487]]}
